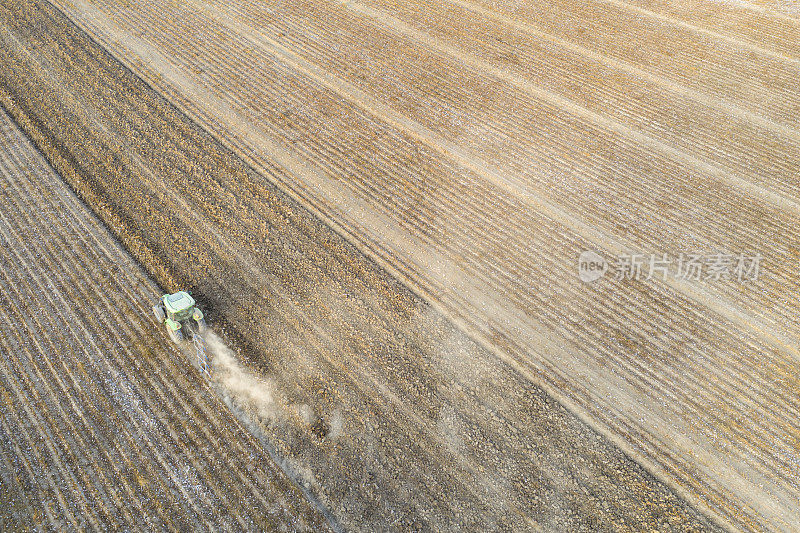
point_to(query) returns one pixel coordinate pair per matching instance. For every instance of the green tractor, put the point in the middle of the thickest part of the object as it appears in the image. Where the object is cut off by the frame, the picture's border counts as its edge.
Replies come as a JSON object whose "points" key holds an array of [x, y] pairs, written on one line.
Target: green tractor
{"points": [[178, 312]]}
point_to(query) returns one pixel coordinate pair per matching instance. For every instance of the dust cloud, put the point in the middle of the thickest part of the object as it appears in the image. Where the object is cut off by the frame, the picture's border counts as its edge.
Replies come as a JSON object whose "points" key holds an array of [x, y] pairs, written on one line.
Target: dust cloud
{"points": [[260, 396], [247, 389]]}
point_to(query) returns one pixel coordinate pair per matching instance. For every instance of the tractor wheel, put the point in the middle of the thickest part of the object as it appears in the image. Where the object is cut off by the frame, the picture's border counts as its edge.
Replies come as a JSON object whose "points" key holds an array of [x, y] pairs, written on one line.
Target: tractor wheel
{"points": [[201, 325], [158, 311], [176, 336]]}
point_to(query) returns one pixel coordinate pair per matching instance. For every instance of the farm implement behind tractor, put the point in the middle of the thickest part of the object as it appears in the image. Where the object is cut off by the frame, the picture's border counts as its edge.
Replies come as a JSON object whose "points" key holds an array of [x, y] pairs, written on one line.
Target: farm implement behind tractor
{"points": [[184, 321]]}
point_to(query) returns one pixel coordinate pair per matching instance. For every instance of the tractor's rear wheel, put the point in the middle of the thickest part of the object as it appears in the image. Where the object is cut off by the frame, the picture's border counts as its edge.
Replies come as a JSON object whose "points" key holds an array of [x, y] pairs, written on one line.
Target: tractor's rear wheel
{"points": [[158, 311], [176, 335]]}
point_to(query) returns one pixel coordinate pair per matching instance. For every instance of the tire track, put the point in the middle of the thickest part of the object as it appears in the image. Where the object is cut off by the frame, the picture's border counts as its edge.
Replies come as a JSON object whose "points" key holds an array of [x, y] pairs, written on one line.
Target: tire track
{"points": [[740, 20], [684, 52]]}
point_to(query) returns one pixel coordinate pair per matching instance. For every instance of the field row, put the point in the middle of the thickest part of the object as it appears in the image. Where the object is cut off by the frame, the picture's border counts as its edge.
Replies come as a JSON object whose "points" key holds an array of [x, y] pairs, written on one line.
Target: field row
{"points": [[110, 425], [765, 24], [481, 181], [272, 100], [435, 431]]}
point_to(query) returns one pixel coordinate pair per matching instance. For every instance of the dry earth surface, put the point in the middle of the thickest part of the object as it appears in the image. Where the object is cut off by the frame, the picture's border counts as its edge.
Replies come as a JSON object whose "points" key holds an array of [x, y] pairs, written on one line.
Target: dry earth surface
{"points": [[103, 424], [472, 149]]}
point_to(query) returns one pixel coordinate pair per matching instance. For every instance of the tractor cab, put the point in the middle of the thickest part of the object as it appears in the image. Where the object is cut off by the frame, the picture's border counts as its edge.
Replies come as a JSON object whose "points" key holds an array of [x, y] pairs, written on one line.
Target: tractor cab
{"points": [[179, 306], [179, 314]]}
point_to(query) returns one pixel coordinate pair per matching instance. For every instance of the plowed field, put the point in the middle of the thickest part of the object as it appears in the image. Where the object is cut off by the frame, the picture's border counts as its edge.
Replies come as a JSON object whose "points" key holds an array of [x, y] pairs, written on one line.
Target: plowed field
{"points": [[103, 424], [385, 208]]}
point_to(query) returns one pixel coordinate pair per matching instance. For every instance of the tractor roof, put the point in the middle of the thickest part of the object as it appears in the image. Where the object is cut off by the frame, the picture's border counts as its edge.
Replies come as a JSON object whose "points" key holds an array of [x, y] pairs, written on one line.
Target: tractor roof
{"points": [[180, 301]]}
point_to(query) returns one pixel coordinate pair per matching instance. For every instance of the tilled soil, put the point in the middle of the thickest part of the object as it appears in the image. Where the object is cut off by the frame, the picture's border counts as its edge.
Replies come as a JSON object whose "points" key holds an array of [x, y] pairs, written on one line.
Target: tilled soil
{"points": [[103, 424], [472, 149]]}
